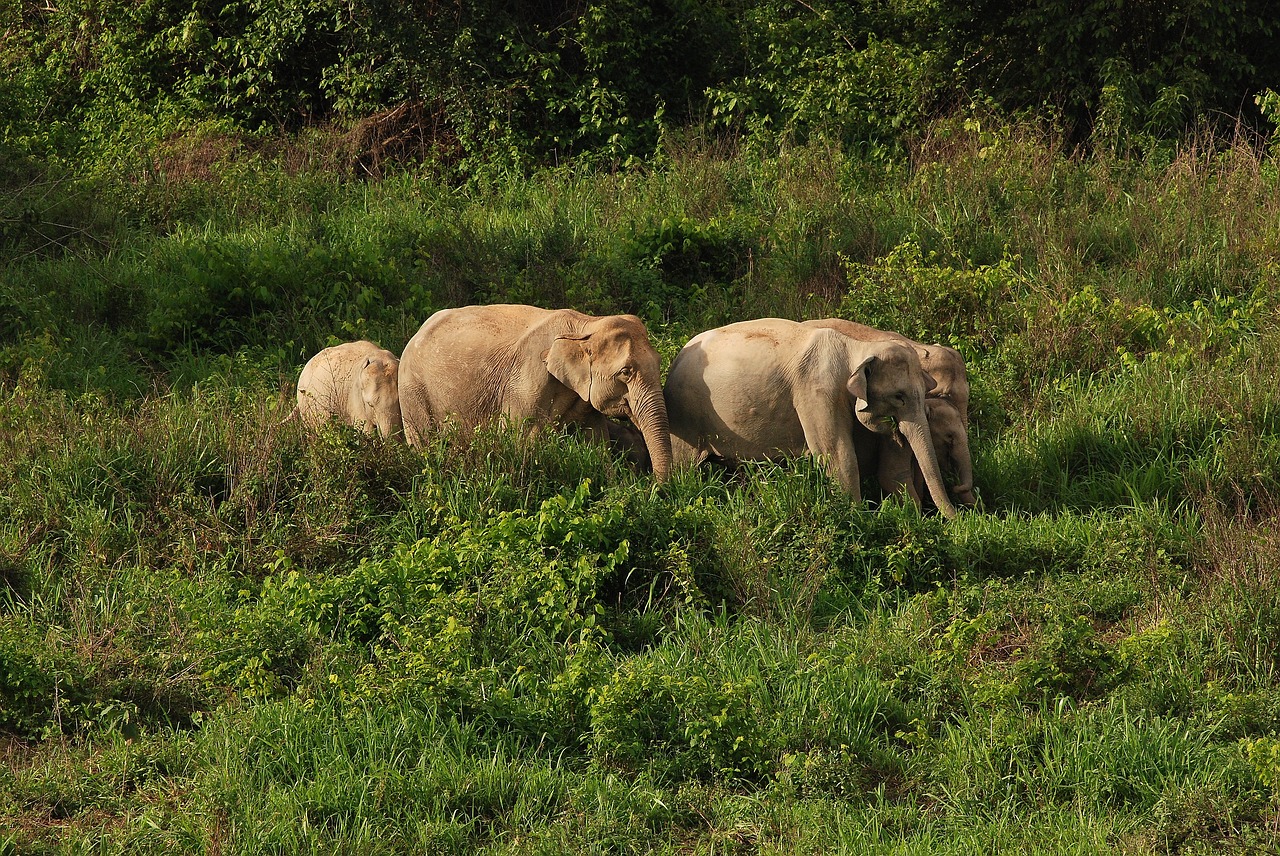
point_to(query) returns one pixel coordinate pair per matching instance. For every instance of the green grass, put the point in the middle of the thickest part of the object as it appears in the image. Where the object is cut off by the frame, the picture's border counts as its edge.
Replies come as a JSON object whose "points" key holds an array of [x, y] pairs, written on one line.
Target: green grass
{"points": [[219, 634]]}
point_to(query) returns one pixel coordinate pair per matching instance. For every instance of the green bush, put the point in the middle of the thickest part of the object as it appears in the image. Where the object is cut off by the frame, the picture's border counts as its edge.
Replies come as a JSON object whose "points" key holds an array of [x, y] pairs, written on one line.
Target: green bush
{"points": [[682, 722], [842, 71], [693, 260], [48, 692], [504, 617], [928, 300], [29, 684]]}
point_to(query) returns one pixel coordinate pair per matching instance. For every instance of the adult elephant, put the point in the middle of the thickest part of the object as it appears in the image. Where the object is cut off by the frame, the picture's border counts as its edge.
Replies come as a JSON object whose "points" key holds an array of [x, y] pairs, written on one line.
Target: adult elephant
{"points": [[540, 366], [759, 389], [944, 364]]}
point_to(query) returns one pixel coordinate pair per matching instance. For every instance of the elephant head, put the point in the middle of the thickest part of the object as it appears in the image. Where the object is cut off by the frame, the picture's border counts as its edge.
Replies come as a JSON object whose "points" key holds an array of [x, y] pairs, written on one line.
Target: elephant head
{"points": [[946, 365], [356, 383], [380, 395], [943, 363], [889, 388], [610, 363]]}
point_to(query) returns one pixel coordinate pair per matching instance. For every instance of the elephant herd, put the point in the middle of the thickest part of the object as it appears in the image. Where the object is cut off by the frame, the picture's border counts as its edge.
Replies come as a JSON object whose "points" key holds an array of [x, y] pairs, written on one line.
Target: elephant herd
{"points": [[858, 398]]}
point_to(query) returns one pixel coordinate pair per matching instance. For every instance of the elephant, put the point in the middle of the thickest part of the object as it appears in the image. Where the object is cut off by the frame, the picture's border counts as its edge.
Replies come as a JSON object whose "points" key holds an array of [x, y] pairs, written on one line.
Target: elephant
{"points": [[627, 439], [355, 383], [758, 389], [473, 364], [944, 364], [896, 467]]}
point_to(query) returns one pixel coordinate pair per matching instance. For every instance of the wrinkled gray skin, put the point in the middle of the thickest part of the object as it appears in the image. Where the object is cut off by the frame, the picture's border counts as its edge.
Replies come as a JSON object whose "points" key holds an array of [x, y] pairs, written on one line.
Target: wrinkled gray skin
{"points": [[897, 469], [354, 383], [537, 366], [772, 387], [944, 364]]}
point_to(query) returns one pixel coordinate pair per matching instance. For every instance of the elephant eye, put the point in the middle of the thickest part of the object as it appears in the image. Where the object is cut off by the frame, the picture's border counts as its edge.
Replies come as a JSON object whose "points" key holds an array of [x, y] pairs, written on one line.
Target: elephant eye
{"points": [[626, 373]]}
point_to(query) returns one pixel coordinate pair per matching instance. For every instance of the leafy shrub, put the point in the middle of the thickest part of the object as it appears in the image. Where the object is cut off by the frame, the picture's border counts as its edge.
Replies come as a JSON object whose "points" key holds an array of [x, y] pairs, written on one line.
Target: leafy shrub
{"points": [[224, 295], [1045, 627], [1086, 333], [839, 773], [1263, 754], [1111, 69], [920, 296], [268, 646], [1067, 659], [691, 259], [48, 691], [652, 713], [837, 70], [504, 617], [29, 684], [899, 550]]}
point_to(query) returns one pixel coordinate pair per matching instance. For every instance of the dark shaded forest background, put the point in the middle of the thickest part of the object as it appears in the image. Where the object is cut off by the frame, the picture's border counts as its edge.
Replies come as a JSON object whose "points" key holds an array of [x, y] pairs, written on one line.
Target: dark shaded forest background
{"points": [[482, 85]]}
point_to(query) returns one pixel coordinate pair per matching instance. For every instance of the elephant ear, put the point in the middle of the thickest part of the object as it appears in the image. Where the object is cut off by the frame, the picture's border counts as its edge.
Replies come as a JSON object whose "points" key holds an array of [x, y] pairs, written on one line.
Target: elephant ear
{"points": [[569, 361], [929, 381], [857, 384]]}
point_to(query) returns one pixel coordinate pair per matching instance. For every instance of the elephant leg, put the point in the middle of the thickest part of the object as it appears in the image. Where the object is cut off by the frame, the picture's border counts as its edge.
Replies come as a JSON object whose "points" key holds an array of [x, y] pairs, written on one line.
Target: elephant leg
{"points": [[416, 417], [842, 463], [916, 490], [415, 438], [828, 434]]}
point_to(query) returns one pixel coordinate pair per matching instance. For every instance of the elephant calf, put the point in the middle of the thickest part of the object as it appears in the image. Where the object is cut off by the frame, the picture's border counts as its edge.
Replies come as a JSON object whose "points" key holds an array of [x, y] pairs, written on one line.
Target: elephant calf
{"points": [[356, 383], [897, 469]]}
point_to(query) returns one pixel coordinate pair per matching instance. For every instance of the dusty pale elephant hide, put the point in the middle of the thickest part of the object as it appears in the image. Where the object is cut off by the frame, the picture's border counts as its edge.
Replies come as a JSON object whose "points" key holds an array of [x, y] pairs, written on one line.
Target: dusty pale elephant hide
{"points": [[355, 383], [772, 387], [536, 367]]}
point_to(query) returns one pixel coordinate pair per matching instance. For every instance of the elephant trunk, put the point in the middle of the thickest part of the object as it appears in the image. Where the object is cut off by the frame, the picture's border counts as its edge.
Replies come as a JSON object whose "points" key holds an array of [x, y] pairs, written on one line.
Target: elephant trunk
{"points": [[918, 435], [649, 414], [964, 470], [390, 425]]}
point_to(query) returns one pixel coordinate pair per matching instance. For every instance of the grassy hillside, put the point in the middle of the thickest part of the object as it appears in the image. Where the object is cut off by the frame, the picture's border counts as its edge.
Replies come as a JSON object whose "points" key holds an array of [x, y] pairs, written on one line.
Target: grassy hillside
{"points": [[219, 634]]}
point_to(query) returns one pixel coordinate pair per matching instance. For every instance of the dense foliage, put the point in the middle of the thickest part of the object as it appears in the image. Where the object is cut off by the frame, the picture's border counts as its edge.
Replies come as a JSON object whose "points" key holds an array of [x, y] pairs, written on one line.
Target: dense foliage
{"points": [[1121, 68], [222, 634], [492, 86]]}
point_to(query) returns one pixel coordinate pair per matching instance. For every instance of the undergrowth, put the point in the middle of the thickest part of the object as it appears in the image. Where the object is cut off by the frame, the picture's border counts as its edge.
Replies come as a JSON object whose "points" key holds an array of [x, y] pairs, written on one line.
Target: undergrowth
{"points": [[219, 633]]}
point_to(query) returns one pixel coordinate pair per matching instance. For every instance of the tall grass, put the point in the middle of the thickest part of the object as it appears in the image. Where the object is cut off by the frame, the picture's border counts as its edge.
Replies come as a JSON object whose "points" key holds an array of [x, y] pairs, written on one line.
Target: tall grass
{"points": [[222, 634]]}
